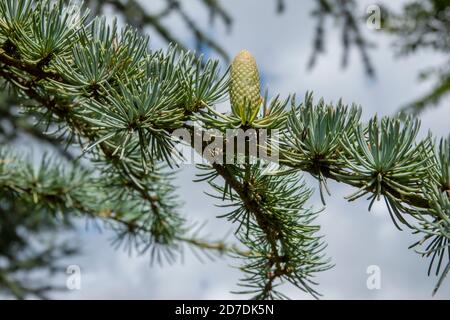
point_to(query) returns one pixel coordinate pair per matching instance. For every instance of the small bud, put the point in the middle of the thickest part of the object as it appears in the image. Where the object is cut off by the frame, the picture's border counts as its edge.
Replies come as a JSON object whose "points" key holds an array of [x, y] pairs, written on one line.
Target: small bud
{"points": [[245, 86]]}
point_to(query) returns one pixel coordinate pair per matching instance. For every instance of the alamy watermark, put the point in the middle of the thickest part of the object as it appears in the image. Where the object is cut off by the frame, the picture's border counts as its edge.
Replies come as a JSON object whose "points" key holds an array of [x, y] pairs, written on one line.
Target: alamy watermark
{"points": [[234, 146]]}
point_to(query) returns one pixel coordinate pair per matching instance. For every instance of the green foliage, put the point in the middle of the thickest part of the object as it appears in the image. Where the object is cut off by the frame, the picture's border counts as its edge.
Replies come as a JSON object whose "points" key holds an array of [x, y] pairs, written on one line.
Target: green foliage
{"points": [[384, 158], [436, 228], [30, 208], [275, 225], [101, 55], [136, 14], [115, 103], [314, 137], [437, 232]]}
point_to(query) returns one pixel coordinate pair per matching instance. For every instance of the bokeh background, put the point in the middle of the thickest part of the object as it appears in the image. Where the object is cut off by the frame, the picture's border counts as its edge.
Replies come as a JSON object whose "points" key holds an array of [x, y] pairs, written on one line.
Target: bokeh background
{"points": [[357, 238]]}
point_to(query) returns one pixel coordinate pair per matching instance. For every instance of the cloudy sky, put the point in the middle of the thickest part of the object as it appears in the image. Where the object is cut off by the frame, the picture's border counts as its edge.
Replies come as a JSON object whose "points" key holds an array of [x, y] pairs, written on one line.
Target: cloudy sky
{"points": [[356, 238]]}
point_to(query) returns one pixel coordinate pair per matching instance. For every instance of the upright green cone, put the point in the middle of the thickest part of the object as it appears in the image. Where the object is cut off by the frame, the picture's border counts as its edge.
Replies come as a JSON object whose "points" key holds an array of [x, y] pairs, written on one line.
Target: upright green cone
{"points": [[245, 90]]}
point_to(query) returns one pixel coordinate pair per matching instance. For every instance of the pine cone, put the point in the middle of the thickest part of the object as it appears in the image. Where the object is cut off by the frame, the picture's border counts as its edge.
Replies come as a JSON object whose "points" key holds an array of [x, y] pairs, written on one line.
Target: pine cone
{"points": [[244, 86]]}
